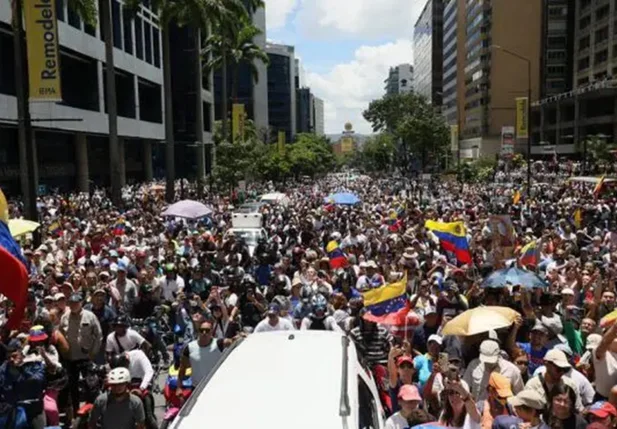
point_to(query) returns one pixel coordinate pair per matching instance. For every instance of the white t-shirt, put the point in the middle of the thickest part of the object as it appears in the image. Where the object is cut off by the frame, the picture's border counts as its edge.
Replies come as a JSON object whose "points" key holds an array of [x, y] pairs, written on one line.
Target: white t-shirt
{"points": [[140, 367], [130, 341], [396, 421], [606, 372], [282, 325], [469, 423], [170, 287]]}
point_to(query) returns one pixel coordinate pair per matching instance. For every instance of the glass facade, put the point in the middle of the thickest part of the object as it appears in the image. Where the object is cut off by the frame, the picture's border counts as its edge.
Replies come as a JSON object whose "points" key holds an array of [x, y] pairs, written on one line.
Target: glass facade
{"points": [[557, 47], [279, 93], [450, 57], [428, 52]]}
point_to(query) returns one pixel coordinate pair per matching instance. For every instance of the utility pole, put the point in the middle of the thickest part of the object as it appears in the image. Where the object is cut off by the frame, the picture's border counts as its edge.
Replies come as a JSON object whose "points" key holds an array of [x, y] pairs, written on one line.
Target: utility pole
{"points": [[27, 150]]}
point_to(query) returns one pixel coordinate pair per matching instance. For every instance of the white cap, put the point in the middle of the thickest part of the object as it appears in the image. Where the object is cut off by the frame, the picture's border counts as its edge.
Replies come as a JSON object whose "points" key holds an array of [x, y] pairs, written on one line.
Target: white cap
{"points": [[489, 351], [593, 341], [558, 358], [435, 338], [567, 291]]}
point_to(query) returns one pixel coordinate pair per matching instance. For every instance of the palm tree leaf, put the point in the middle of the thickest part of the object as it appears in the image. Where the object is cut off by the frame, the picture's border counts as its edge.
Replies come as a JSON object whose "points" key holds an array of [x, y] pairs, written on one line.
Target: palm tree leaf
{"points": [[86, 9]]}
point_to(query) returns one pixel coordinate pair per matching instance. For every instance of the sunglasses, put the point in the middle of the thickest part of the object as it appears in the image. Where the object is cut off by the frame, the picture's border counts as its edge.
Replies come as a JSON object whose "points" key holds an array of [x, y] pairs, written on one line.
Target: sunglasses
{"points": [[522, 362], [205, 330], [452, 393]]}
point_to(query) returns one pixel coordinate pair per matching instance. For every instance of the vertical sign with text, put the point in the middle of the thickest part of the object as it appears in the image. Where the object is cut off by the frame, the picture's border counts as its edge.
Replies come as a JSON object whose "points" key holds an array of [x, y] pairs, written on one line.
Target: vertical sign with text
{"points": [[522, 120], [507, 141], [43, 56], [237, 121]]}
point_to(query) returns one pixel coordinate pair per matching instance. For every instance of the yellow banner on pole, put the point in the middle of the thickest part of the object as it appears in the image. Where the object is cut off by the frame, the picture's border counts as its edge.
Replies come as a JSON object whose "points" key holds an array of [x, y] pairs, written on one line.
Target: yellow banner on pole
{"points": [[281, 142], [453, 138], [522, 119], [237, 120], [346, 144], [43, 56]]}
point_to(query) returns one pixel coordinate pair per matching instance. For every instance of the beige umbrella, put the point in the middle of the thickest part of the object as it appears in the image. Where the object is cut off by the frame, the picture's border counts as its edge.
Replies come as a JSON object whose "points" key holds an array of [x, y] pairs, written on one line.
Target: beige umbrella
{"points": [[479, 320], [19, 227]]}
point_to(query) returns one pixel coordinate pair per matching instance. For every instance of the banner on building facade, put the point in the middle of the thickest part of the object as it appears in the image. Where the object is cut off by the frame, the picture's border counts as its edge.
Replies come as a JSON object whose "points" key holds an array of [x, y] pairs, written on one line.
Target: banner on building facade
{"points": [[43, 55], [522, 119], [281, 142], [454, 138], [507, 141], [346, 144], [237, 120]]}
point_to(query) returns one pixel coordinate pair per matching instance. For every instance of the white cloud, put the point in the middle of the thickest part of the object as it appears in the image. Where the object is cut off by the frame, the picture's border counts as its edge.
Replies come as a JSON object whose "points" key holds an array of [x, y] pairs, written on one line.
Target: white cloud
{"points": [[277, 12], [365, 19], [348, 88]]}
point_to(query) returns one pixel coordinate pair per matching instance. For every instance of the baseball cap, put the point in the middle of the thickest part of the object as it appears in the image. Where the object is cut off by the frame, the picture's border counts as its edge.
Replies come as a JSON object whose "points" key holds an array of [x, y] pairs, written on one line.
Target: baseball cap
{"points": [[404, 359], [435, 338], [540, 327], [273, 309], [76, 297], [408, 392], [501, 384], [529, 398], [489, 351], [36, 334], [567, 291], [59, 296], [593, 341], [602, 409], [430, 310], [99, 292], [558, 358], [121, 266]]}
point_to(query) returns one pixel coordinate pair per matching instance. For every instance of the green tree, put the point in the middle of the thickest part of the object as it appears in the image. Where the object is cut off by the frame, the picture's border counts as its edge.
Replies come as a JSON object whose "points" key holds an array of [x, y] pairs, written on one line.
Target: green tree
{"points": [[311, 155], [231, 44], [420, 129], [378, 153]]}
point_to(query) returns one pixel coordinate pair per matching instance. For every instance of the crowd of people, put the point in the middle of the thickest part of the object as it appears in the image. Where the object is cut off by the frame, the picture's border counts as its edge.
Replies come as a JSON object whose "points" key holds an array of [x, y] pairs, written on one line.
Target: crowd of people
{"points": [[100, 268]]}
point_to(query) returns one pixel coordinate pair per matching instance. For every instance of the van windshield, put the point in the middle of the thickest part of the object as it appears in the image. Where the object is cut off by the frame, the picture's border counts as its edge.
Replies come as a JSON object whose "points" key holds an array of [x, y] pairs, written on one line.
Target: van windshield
{"points": [[250, 237]]}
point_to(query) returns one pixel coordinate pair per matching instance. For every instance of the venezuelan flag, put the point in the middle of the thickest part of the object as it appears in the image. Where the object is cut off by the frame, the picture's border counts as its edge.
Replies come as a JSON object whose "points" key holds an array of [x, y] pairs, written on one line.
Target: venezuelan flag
{"points": [[336, 255], [598, 188], [453, 238], [54, 229], [529, 254], [578, 218], [120, 227], [387, 304], [14, 278]]}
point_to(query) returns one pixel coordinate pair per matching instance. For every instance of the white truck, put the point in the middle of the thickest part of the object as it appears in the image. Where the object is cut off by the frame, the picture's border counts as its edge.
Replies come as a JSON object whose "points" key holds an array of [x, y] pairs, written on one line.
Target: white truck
{"points": [[248, 226]]}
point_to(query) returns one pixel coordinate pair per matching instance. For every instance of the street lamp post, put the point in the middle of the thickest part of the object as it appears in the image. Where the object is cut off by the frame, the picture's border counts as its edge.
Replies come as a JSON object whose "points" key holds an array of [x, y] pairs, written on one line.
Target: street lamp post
{"points": [[528, 61]]}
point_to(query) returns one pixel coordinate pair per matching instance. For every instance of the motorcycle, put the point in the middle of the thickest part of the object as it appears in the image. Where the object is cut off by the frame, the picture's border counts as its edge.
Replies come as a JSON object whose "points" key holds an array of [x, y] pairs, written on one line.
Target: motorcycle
{"points": [[173, 402], [150, 329], [91, 385]]}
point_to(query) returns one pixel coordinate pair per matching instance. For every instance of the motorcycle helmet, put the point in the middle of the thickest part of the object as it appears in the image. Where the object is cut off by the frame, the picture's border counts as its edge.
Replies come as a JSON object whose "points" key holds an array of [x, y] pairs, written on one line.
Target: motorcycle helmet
{"points": [[120, 360], [280, 281], [248, 281], [119, 376], [121, 320], [319, 306]]}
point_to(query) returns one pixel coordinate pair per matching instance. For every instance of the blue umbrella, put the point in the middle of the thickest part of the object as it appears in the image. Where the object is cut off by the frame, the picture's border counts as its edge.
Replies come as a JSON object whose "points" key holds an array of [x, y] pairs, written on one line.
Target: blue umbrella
{"points": [[513, 276], [342, 198]]}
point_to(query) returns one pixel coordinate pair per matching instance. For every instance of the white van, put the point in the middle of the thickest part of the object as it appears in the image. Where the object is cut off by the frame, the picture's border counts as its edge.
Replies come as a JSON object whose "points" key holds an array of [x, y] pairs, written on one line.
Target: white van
{"points": [[284, 379], [247, 226], [275, 198]]}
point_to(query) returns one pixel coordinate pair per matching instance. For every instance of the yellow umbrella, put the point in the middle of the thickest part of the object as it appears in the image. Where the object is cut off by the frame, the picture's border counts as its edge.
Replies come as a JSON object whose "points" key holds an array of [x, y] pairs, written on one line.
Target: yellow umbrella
{"points": [[479, 320], [20, 227]]}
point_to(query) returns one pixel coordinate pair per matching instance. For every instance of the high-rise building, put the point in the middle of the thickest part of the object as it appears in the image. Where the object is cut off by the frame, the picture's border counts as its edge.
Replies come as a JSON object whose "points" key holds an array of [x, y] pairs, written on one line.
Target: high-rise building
{"points": [[318, 114], [305, 114], [281, 89], [453, 64], [72, 153], [400, 79], [253, 94], [428, 52], [502, 38], [563, 121]]}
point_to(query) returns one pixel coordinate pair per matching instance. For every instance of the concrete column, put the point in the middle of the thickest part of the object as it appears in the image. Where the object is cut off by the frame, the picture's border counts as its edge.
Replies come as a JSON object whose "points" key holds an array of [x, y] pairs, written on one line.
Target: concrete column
{"points": [[577, 121], [147, 161], [542, 122], [558, 124], [122, 161], [81, 160]]}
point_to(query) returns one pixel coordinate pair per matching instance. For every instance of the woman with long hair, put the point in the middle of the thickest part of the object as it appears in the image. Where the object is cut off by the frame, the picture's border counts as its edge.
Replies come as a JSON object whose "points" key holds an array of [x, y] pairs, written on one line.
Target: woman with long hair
{"points": [[460, 409], [521, 360], [561, 411]]}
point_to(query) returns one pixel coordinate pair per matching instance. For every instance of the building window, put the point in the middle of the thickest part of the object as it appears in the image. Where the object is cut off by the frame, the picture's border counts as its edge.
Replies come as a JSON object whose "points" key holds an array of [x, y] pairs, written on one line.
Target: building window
{"points": [[74, 20], [207, 112], [585, 4], [601, 35], [556, 41], [602, 12], [156, 47], [128, 33], [583, 63], [557, 11], [60, 9], [148, 42], [556, 70], [115, 19], [583, 42], [139, 36], [601, 57], [584, 22]]}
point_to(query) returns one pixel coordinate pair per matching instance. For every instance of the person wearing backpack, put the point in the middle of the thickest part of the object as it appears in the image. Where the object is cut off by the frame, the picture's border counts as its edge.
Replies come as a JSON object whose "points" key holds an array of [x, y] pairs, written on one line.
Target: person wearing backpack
{"points": [[118, 408]]}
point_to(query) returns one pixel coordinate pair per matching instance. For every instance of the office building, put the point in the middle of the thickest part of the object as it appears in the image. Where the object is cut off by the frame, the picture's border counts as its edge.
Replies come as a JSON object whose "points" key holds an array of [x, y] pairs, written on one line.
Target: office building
{"points": [[562, 122], [400, 79], [75, 151], [453, 83], [493, 77], [193, 117], [281, 89], [428, 52], [305, 113], [253, 94], [318, 114]]}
